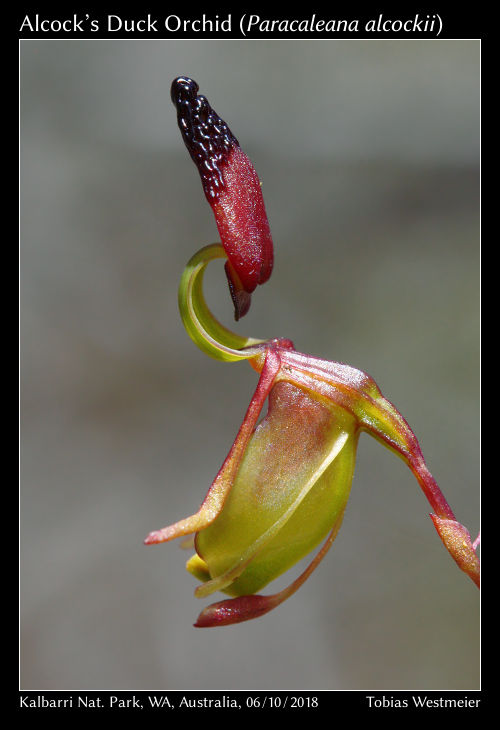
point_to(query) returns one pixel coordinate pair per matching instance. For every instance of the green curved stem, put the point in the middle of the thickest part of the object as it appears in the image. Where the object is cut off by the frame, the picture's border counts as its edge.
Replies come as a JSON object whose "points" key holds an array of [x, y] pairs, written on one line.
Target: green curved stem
{"points": [[201, 325]]}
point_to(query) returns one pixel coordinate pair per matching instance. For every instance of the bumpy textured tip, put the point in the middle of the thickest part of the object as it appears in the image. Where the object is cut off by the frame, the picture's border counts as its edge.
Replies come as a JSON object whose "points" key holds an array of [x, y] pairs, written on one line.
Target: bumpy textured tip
{"points": [[206, 136]]}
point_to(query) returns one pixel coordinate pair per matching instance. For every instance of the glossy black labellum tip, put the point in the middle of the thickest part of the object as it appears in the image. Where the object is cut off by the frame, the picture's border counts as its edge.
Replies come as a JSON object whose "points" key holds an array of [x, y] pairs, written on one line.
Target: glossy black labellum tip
{"points": [[206, 136], [183, 88]]}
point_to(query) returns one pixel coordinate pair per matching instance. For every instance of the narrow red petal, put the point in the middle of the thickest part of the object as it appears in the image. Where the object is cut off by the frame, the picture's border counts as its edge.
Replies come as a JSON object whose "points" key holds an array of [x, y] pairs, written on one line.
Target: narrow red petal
{"points": [[241, 298], [457, 541], [235, 610]]}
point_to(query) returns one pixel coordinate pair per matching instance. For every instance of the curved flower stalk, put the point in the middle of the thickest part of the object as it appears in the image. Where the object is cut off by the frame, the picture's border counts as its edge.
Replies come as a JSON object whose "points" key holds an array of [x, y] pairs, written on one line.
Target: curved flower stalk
{"points": [[284, 486]]}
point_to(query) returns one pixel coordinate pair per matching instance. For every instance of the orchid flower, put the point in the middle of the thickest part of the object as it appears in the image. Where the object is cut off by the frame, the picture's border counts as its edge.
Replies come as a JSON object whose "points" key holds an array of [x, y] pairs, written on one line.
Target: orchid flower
{"points": [[284, 486]]}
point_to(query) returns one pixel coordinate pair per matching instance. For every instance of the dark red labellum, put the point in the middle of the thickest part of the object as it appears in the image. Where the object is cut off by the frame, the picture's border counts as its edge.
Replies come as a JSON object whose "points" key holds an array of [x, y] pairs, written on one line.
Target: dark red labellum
{"points": [[232, 188]]}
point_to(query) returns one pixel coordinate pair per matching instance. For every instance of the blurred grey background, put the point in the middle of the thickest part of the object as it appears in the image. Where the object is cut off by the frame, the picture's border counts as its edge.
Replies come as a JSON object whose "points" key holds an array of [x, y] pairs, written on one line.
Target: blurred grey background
{"points": [[368, 152]]}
